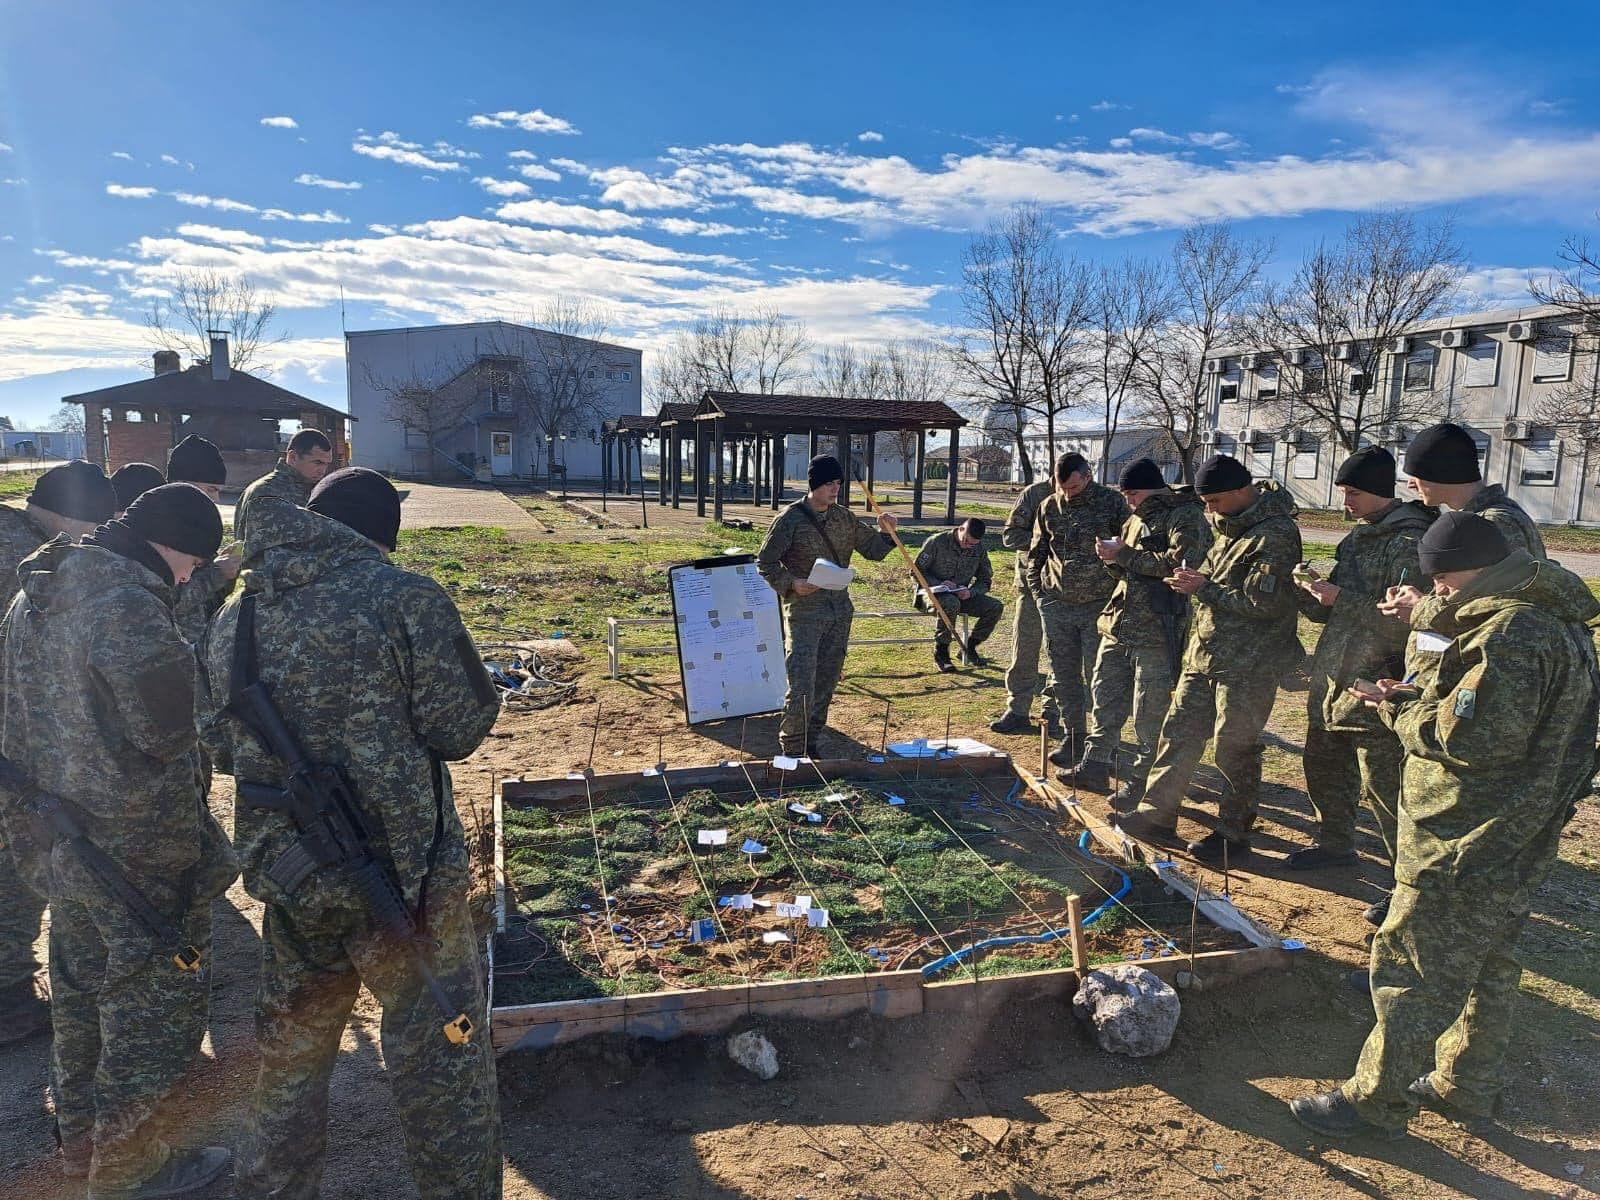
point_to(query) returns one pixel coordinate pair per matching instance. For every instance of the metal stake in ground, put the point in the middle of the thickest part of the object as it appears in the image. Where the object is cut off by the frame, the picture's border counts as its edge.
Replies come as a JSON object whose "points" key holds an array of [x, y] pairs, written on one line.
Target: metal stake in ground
{"points": [[594, 739]]}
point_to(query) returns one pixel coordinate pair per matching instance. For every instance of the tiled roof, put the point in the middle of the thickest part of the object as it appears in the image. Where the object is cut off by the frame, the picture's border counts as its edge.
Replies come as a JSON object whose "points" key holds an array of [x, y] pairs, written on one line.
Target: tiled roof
{"points": [[806, 411], [195, 391]]}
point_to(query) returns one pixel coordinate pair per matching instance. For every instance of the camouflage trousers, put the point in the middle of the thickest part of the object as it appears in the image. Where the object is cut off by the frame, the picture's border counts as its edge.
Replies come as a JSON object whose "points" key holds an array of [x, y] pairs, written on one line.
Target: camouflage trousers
{"points": [[1342, 770], [983, 608], [128, 1023], [21, 911], [1229, 714], [819, 636], [1071, 642], [1444, 988], [311, 970], [1024, 680], [1128, 679]]}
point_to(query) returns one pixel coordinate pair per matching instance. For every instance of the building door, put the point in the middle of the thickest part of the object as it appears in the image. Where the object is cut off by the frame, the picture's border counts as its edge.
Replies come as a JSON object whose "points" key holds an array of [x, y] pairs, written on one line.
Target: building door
{"points": [[500, 458]]}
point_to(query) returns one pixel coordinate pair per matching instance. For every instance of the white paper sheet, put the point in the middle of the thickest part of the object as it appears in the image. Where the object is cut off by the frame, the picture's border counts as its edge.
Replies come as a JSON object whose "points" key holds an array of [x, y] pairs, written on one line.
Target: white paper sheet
{"points": [[830, 576]]}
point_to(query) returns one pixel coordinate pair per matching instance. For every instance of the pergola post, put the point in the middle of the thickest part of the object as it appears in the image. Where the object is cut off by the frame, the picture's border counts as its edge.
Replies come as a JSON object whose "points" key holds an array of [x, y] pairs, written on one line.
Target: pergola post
{"points": [[605, 464], [872, 461], [813, 443], [699, 470], [950, 479], [661, 467], [716, 434], [844, 464], [760, 451], [775, 453], [916, 484], [676, 485]]}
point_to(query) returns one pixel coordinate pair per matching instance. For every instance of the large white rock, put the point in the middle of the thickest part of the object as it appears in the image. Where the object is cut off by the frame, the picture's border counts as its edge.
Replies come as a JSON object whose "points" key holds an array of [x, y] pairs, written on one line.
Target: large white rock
{"points": [[754, 1053], [1133, 1011]]}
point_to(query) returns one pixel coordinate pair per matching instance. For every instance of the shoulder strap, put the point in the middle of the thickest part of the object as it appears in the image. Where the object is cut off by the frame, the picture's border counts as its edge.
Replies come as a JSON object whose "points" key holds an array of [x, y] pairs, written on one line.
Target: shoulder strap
{"points": [[245, 668], [838, 559]]}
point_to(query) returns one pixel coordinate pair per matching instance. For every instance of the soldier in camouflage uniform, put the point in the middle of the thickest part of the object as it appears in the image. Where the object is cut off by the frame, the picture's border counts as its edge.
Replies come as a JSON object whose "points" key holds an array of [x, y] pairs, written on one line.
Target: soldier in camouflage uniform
{"points": [[70, 499], [1498, 746], [1142, 628], [1073, 586], [398, 689], [196, 460], [97, 689], [1241, 634], [1349, 754], [1023, 677], [956, 558], [815, 526], [307, 460]]}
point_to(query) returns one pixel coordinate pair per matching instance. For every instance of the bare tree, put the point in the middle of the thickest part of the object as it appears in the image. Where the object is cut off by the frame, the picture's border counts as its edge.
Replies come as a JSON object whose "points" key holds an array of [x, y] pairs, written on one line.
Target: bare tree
{"points": [[68, 419], [919, 370], [1132, 304], [1065, 303], [846, 372], [1574, 290], [1343, 317], [1214, 276], [203, 301], [428, 407], [559, 376]]}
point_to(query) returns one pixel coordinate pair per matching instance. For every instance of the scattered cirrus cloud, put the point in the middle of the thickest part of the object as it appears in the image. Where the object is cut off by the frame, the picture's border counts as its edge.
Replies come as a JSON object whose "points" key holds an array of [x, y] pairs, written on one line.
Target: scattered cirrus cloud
{"points": [[869, 135], [339, 185], [389, 146], [503, 187], [280, 122], [123, 155], [5, 147], [534, 121], [539, 171], [1107, 106], [575, 216], [129, 193]]}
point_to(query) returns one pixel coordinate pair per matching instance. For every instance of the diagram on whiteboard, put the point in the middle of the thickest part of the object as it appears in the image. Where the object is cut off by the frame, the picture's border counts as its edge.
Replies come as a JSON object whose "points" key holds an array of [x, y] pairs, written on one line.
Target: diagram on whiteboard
{"points": [[730, 639]]}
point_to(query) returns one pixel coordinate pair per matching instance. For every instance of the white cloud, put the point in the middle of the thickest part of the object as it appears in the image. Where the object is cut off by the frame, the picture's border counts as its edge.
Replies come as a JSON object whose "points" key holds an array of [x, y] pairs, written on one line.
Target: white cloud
{"points": [[123, 155], [533, 121], [226, 237], [634, 189], [538, 171], [1107, 106], [325, 217], [1485, 288], [503, 187], [220, 203], [869, 135], [5, 148], [1218, 140], [1143, 134], [130, 193], [341, 185], [576, 216], [36, 280], [389, 146], [13, 181], [683, 227], [170, 160], [280, 122], [1121, 143]]}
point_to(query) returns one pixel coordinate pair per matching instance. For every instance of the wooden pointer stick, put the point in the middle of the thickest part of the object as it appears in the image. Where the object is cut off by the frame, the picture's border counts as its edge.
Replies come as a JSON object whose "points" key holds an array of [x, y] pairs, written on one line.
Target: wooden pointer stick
{"points": [[894, 536]]}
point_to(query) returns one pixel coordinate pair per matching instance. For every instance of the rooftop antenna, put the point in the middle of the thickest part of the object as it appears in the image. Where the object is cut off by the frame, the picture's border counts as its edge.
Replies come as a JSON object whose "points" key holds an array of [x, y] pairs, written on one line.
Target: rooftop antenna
{"points": [[343, 328]]}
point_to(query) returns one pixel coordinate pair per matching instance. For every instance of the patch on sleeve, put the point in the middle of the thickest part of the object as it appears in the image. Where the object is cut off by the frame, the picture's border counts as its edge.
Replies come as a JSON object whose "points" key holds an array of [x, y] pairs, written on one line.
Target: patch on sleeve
{"points": [[1466, 703], [482, 686], [166, 693], [1269, 583]]}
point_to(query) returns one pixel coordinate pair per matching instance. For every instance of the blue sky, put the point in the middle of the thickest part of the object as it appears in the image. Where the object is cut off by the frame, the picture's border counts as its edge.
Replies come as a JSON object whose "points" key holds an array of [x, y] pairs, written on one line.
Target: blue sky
{"points": [[829, 160]]}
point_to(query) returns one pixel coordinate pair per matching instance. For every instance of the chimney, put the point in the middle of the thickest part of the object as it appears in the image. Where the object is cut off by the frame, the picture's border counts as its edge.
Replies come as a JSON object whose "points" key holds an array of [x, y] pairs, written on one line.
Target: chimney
{"points": [[166, 361], [219, 355]]}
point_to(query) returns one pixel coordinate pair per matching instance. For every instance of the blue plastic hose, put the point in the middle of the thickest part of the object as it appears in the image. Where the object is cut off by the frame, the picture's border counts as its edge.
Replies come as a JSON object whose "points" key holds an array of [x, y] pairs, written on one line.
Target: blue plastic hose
{"points": [[960, 956]]}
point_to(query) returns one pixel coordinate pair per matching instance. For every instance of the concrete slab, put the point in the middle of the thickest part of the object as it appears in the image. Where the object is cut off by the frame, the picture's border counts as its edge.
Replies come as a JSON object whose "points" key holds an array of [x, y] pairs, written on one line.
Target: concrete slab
{"points": [[438, 506]]}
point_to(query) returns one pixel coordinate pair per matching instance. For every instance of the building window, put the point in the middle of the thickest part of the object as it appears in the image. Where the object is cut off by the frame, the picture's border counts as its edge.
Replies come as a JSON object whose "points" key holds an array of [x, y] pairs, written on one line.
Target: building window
{"points": [[1311, 378], [1228, 391], [1552, 359], [1419, 370], [1482, 444], [1483, 364], [1258, 458], [1358, 382], [1306, 456], [626, 376], [1540, 458], [416, 439], [1267, 382]]}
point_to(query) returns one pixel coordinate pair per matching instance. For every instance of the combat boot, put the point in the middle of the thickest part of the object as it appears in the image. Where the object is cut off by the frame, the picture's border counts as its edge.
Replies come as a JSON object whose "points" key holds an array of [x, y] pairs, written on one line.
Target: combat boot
{"points": [[1127, 798], [1376, 914], [1093, 773], [1314, 858], [1331, 1115], [1429, 1097], [24, 1012], [1143, 827], [185, 1171], [941, 658], [1012, 723], [972, 658], [1211, 848]]}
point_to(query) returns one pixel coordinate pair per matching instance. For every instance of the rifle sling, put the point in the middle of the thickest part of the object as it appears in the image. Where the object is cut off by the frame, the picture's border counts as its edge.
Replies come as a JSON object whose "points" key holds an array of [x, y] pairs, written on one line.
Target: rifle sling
{"points": [[805, 509]]}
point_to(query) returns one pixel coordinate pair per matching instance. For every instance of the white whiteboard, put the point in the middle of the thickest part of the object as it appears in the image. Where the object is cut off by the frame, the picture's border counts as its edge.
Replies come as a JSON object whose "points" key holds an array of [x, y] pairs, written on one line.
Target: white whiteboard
{"points": [[730, 639]]}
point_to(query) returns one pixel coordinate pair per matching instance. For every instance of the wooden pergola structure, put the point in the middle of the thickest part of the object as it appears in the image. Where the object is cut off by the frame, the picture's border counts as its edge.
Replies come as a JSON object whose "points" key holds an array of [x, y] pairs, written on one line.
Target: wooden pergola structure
{"points": [[622, 440], [762, 423]]}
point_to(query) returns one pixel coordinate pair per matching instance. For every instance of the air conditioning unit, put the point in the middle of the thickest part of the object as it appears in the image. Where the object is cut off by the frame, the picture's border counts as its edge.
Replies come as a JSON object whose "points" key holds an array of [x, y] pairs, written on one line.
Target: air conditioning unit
{"points": [[1208, 437], [1295, 358], [1345, 352], [1515, 431], [1400, 345], [1213, 366], [1392, 433], [1520, 331], [1455, 339], [1293, 437], [1247, 362], [1247, 436]]}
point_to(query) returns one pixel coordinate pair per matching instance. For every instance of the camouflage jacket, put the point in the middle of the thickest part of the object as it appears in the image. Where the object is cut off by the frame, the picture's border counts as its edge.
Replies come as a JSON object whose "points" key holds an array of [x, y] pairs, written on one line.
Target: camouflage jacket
{"points": [[282, 484], [1062, 563], [1018, 532], [373, 671], [19, 537], [1515, 525], [97, 706], [943, 558], [1358, 641], [1166, 531], [1502, 739], [198, 601], [1244, 618], [793, 545]]}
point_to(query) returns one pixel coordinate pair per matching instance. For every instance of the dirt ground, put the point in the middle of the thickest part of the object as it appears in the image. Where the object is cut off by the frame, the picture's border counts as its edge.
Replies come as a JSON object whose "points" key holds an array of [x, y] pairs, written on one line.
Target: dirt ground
{"points": [[1019, 1105]]}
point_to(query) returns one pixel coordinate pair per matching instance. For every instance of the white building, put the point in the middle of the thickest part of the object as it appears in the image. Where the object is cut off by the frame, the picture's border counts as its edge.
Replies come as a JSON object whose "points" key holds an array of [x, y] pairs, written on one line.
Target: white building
{"points": [[473, 363], [41, 444], [1080, 431], [1491, 372]]}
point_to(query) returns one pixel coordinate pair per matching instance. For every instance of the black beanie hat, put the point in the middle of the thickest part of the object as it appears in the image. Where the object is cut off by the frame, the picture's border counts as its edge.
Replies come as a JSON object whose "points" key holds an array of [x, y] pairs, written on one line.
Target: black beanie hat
{"points": [[195, 460], [1460, 541], [1443, 454], [77, 490], [362, 499], [132, 480], [823, 469], [1141, 476], [176, 515], [1371, 470], [1221, 473]]}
